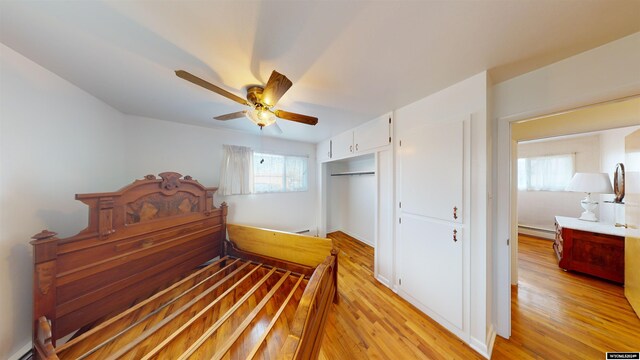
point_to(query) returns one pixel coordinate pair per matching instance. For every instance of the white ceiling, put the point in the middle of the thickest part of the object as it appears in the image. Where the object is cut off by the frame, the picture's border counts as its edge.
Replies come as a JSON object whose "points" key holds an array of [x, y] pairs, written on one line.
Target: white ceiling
{"points": [[349, 60]]}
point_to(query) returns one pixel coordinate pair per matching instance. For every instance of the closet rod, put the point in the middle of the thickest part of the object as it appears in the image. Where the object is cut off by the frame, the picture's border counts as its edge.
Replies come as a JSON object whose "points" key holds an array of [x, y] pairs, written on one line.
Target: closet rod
{"points": [[355, 173]]}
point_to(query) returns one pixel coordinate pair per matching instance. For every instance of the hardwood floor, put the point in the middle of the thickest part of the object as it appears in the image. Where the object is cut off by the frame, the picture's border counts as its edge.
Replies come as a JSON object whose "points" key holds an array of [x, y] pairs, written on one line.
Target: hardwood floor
{"points": [[372, 322], [556, 315], [564, 315]]}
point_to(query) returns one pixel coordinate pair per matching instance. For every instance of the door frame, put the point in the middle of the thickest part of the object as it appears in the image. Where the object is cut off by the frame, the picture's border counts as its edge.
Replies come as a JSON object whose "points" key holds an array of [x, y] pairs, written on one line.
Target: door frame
{"points": [[506, 267]]}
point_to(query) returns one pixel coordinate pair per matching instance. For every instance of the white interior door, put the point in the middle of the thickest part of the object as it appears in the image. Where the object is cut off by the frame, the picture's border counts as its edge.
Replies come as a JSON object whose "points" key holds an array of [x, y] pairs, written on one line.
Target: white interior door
{"points": [[431, 242]]}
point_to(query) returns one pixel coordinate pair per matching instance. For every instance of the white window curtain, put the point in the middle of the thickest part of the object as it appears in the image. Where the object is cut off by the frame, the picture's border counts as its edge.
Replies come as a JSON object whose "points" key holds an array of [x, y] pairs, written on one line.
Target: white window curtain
{"points": [[236, 176], [545, 173]]}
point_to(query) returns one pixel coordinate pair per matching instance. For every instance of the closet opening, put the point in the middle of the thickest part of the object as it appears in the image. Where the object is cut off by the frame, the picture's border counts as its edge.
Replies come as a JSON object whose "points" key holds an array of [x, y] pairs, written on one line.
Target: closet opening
{"points": [[351, 197], [356, 198]]}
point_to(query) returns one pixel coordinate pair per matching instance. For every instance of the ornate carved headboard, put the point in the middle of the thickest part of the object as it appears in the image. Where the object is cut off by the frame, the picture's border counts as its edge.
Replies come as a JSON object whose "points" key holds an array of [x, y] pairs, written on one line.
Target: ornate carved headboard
{"points": [[138, 239]]}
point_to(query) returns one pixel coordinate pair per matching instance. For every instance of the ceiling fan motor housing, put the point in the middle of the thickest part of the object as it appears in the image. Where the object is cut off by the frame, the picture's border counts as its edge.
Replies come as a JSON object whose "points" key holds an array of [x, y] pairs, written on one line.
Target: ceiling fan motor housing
{"points": [[254, 94]]}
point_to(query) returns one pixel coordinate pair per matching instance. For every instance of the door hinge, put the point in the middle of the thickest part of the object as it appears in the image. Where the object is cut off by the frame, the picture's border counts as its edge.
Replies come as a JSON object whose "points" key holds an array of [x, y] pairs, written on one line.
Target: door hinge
{"points": [[507, 242], [400, 220]]}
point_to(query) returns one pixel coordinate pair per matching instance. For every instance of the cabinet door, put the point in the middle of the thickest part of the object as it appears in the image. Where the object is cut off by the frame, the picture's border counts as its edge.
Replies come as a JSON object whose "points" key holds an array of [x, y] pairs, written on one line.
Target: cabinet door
{"points": [[342, 145], [372, 134], [431, 242], [323, 152], [430, 263], [431, 166]]}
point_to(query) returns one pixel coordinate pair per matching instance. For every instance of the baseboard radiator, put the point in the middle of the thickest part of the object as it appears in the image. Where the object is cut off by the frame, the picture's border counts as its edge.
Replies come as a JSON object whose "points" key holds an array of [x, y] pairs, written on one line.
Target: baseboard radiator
{"points": [[536, 231]]}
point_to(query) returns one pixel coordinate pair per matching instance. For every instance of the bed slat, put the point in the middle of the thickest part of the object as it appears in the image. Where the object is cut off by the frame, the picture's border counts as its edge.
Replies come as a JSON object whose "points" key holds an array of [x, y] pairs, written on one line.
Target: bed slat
{"points": [[275, 318], [220, 351], [107, 330]]}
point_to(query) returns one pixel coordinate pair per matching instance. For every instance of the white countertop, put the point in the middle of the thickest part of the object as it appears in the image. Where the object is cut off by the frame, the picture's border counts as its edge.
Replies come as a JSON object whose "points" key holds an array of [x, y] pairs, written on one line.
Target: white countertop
{"points": [[593, 226]]}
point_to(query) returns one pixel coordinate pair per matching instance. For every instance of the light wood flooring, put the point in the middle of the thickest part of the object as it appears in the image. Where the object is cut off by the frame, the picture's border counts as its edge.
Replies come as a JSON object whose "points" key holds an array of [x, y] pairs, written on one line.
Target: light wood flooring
{"points": [[555, 314], [564, 315], [372, 322]]}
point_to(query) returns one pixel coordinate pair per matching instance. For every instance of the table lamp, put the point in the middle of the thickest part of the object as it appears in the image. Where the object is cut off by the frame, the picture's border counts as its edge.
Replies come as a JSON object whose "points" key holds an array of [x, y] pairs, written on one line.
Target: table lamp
{"points": [[589, 183]]}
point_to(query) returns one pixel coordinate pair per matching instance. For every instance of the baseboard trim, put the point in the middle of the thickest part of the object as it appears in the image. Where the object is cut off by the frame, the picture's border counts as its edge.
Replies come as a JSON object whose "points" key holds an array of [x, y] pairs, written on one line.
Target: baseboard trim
{"points": [[540, 233], [384, 281], [357, 237], [492, 340], [23, 353]]}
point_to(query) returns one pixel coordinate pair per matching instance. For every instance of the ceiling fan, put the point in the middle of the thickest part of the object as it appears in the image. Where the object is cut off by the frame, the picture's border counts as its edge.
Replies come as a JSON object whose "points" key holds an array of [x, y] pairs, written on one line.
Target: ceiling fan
{"points": [[260, 99]]}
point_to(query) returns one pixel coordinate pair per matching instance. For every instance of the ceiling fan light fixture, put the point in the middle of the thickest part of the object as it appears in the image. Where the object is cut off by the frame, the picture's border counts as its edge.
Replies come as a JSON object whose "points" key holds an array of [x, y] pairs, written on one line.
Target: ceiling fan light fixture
{"points": [[261, 117]]}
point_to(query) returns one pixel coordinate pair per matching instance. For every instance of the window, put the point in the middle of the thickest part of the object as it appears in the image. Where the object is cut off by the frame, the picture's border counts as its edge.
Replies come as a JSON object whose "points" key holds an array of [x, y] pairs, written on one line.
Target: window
{"points": [[279, 173], [545, 173]]}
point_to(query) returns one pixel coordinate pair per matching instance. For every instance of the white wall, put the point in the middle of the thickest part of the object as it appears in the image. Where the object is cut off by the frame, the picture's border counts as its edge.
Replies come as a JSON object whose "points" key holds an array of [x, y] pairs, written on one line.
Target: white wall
{"points": [[538, 208], [607, 72], [611, 153], [55, 141], [154, 146], [460, 100], [351, 204]]}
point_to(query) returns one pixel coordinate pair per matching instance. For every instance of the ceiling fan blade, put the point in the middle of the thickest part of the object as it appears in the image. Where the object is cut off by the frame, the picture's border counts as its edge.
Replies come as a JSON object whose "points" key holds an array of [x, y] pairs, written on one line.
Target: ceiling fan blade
{"points": [[277, 85], [231, 116], [309, 120], [275, 128], [209, 86]]}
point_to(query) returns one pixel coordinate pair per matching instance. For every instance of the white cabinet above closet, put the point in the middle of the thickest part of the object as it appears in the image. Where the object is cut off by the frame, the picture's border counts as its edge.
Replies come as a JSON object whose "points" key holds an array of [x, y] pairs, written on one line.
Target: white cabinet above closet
{"points": [[360, 140], [372, 134], [342, 145], [324, 151]]}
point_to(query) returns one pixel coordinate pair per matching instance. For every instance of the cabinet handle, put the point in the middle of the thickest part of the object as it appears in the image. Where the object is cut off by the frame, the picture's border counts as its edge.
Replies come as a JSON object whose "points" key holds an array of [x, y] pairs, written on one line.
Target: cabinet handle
{"points": [[328, 153], [455, 235], [455, 212], [351, 148], [356, 147]]}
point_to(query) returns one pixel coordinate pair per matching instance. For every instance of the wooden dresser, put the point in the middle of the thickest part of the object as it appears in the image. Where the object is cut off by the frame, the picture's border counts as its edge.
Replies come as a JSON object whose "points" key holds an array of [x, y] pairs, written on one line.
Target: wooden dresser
{"points": [[592, 248]]}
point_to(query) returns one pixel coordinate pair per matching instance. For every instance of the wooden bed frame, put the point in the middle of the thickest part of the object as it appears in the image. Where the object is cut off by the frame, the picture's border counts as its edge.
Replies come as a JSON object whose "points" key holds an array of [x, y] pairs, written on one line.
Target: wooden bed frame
{"points": [[151, 234]]}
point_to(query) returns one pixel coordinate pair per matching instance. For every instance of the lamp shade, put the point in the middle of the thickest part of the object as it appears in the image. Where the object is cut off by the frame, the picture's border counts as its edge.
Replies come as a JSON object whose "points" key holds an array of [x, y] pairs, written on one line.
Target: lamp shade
{"points": [[590, 183]]}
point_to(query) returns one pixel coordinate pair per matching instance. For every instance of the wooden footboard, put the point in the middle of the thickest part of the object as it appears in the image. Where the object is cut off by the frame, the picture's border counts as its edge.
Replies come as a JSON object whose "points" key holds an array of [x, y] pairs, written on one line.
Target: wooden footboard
{"points": [[291, 251], [307, 331]]}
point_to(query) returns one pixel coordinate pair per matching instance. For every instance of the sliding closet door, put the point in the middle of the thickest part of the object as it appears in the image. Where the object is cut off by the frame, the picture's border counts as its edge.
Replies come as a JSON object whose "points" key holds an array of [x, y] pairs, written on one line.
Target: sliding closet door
{"points": [[431, 226]]}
